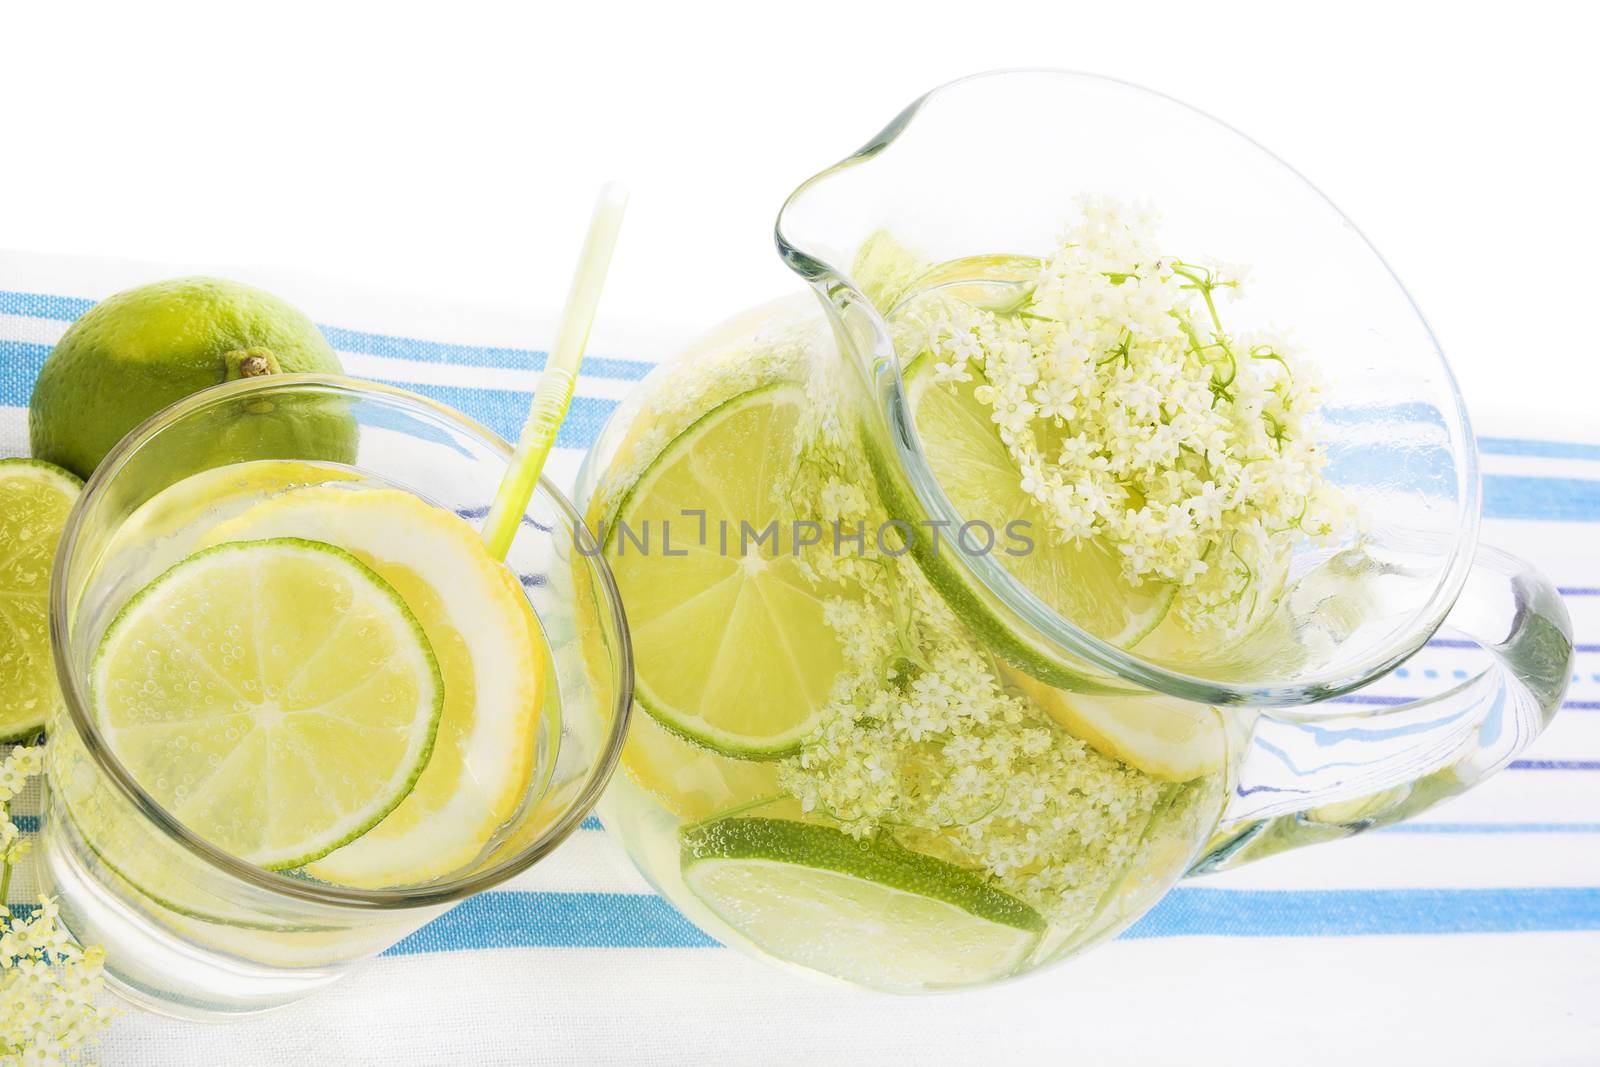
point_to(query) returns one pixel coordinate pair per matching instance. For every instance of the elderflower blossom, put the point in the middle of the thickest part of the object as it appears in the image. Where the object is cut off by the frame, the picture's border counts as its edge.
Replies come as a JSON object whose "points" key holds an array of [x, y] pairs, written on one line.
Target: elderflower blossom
{"points": [[49, 985], [921, 739], [1136, 418], [1110, 388]]}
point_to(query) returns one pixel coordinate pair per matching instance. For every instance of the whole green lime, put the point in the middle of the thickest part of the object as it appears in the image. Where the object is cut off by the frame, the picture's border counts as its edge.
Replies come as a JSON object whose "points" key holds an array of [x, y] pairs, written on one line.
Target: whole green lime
{"points": [[136, 352]]}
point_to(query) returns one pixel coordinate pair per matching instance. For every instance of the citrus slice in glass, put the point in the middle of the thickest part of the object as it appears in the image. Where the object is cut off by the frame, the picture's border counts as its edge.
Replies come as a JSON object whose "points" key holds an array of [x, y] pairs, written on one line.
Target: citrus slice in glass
{"points": [[35, 498], [870, 912], [1167, 738], [490, 652], [1080, 581], [277, 697], [730, 646], [214, 495], [688, 779]]}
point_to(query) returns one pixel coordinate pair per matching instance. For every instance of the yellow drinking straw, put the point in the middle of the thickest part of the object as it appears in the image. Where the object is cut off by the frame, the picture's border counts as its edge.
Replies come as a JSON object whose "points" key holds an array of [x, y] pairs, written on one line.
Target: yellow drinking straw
{"points": [[554, 393]]}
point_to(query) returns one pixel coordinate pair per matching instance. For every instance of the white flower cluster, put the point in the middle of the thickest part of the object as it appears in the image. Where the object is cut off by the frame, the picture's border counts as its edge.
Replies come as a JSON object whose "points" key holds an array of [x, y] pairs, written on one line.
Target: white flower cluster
{"points": [[20, 764], [921, 739], [49, 985], [1134, 416]]}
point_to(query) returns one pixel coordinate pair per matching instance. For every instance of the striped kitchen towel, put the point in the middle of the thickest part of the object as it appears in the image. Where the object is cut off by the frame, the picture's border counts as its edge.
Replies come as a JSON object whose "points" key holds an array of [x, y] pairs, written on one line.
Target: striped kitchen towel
{"points": [[1471, 935]]}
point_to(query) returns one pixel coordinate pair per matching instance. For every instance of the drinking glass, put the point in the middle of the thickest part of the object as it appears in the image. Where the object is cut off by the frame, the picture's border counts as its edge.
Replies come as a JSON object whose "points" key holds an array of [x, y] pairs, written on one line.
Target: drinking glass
{"points": [[188, 929]]}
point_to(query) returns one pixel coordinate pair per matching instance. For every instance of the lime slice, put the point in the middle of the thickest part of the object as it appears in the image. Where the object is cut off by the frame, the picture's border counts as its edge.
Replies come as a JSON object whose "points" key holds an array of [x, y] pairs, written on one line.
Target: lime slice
{"points": [[868, 912], [490, 652], [278, 697], [730, 648], [1164, 737], [1081, 581], [35, 498], [1001, 283]]}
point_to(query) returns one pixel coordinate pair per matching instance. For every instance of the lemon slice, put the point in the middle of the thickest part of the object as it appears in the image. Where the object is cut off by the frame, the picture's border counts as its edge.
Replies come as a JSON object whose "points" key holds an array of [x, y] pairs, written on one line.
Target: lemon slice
{"points": [[490, 652], [215, 495], [730, 648], [870, 912], [277, 696], [35, 498], [1167, 738], [691, 781]]}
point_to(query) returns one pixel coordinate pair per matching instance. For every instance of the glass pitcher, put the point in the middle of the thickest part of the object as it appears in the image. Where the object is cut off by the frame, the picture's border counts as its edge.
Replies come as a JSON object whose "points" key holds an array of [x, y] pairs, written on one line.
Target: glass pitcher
{"points": [[881, 739]]}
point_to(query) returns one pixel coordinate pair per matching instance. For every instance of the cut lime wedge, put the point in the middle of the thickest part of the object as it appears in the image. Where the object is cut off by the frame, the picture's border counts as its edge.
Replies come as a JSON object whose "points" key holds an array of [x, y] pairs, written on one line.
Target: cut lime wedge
{"points": [[730, 645], [1079, 581], [278, 697], [1082, 581], [490, 652], [35, 498], [998, 283], [869, 912]]}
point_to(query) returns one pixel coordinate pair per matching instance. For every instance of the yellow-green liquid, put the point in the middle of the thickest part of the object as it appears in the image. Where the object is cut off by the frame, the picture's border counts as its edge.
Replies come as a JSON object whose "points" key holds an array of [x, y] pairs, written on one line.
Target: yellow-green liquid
{"points": [[1138, 833], [114, 868]]}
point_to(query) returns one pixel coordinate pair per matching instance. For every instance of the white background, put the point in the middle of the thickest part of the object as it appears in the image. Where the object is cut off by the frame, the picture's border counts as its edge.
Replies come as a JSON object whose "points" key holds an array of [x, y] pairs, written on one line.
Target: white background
{"points": [[454, 149]]}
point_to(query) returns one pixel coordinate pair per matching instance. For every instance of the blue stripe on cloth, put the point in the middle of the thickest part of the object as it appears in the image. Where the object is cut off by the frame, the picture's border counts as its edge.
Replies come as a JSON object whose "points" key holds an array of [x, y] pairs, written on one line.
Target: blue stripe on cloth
{"points": [[43, 305], [626, 920], [1520, 446], [378, 344], [1456, 642], [556, 920], [68, 308], [1508, 496], [1427, 471], [58, 308], [19, 366], [505, 410], [502, 410], [1380, 414], [1349, 912], [1433, 472], [1394, 701]]}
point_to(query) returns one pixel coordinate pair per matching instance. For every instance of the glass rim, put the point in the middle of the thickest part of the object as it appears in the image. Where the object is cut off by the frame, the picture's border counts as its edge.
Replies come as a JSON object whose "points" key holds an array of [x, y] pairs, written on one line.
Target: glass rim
{"points": [[826, 278], [74, 695]]}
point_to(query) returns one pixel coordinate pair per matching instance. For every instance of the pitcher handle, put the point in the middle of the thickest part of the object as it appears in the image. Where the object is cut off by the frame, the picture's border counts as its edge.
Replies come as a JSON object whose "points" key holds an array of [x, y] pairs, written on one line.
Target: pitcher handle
{"points": [[1302, 782]]}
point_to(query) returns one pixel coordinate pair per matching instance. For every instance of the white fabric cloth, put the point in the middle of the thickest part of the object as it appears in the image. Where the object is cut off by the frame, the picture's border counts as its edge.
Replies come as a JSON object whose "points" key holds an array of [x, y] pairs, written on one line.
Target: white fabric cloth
{"points": [[1472, 937]]}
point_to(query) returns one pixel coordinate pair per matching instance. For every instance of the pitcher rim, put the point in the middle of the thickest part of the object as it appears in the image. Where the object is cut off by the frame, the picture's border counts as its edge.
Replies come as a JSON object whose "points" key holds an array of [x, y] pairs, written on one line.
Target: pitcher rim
{"points": [[825, 278]]}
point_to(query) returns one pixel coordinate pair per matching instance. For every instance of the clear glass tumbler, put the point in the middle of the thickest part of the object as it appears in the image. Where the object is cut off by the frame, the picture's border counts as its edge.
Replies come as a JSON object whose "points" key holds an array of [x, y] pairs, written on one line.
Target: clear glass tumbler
{"points": [[188, 929]]}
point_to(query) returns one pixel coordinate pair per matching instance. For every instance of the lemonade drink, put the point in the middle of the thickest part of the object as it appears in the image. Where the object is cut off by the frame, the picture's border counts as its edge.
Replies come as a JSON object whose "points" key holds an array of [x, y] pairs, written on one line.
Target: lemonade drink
{"points": [[185, 698], [847, 762], [345, 713]]}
